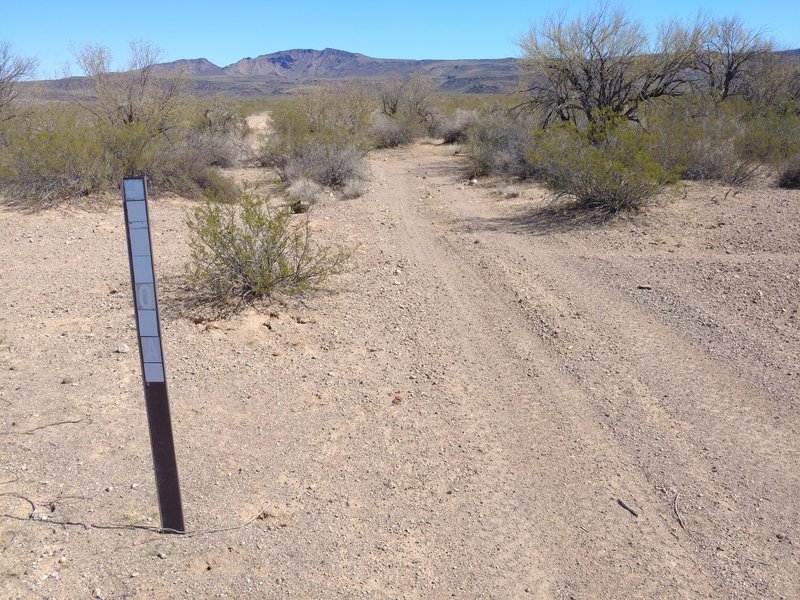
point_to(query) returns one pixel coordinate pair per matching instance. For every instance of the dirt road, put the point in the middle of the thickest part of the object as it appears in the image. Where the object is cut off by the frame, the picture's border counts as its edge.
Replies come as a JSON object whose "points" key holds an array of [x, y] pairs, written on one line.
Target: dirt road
{"points": [[495, 402]]}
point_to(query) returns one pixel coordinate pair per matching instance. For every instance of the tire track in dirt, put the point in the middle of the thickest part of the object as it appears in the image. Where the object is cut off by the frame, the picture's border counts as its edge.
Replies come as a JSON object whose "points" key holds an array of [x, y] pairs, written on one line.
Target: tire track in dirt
{"points": [[668, 420], [558, 476]]}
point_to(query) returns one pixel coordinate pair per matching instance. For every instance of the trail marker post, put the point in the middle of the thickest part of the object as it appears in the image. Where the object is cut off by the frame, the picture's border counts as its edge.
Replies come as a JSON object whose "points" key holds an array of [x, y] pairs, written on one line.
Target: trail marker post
{"points": [[140, 256]]}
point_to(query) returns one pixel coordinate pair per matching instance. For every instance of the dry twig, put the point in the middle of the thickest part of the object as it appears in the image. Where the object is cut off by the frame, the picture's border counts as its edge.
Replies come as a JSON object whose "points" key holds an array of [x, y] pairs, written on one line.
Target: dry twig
{"points": [[677, 512], [628, 508], [30, 431]]}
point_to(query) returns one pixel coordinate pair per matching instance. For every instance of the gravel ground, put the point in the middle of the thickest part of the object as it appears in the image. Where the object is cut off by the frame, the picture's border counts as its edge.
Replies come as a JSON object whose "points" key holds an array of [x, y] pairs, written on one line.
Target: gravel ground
{"points": [[496, 401]]}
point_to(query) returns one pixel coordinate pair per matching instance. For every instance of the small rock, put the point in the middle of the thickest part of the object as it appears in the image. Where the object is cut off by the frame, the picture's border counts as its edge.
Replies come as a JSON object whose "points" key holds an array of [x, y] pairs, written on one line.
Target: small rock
{"points": [[122, 349], [109, 488], [390, 484], [67, 380], [644, 286], [161, 555], [398, 399]]}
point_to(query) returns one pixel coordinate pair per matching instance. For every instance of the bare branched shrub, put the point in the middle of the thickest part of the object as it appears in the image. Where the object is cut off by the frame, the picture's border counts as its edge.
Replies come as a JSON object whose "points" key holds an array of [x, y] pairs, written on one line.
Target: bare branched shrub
{"points": [[408, 103], [728, 54], [134, 95], [13, 69]]}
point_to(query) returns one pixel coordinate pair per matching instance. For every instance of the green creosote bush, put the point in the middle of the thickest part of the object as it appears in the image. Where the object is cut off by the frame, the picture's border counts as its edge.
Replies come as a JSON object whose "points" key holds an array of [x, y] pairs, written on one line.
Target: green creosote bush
{"points": [[770, 138], [612, 176], [248, 251], [789, 174], [59, 153], [701, 141], [51, 156]]}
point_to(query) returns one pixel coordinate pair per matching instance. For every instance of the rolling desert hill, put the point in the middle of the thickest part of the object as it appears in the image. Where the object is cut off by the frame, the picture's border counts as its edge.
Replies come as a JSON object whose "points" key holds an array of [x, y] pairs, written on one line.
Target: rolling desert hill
{"points": [[279, 72]]}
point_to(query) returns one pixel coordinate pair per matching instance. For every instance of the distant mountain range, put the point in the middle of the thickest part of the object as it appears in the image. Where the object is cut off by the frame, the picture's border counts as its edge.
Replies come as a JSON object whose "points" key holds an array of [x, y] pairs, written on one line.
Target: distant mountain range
{"points": [[279, 71]]}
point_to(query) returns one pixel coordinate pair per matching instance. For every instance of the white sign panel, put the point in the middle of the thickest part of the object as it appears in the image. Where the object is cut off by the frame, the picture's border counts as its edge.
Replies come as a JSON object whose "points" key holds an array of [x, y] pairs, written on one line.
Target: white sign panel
{"points": [[141, 257]]}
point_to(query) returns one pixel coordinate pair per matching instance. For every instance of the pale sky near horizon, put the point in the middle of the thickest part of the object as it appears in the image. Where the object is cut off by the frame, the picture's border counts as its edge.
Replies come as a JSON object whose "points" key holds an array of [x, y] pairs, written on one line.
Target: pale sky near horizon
{"points": [[224, 32]]}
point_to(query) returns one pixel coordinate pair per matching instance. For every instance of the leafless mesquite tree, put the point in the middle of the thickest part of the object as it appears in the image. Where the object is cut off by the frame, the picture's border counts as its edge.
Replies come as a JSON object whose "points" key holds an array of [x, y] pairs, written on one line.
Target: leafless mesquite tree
{"points": [[730, 55], [135, 95], [603, 66], [13, 69], [410, 95]]}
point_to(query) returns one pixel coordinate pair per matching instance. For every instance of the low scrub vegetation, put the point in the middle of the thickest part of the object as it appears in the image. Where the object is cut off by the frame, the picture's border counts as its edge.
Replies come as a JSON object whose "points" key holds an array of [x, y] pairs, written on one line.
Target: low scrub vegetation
{"points": [[609, 118], [132, 124], [610, 176], [322, 137], [249, 250], [499, 143]]}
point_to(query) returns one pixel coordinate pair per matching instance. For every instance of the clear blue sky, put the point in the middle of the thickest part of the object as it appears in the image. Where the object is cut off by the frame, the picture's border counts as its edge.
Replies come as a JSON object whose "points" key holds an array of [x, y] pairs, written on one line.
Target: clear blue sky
{"points": [[225, 31]]}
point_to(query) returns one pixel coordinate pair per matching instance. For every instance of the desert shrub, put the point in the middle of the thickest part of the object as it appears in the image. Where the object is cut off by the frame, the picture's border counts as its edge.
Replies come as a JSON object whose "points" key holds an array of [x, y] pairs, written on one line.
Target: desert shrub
{"points": [[701, 141], [388, 132], [247, 251], [770, 138], [215, 149], [329, 158], [331, 162], [62, 152], [302, 194], [353, 188], [52, 156], [614, 176], [216, 131], [409, 102], [454, 128], [497, 143], [212, 182], [789, 174]]}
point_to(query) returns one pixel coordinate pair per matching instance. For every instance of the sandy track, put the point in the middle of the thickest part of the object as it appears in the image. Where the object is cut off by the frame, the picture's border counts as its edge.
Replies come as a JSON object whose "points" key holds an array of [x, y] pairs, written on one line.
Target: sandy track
{"points": [[460, 415]]}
